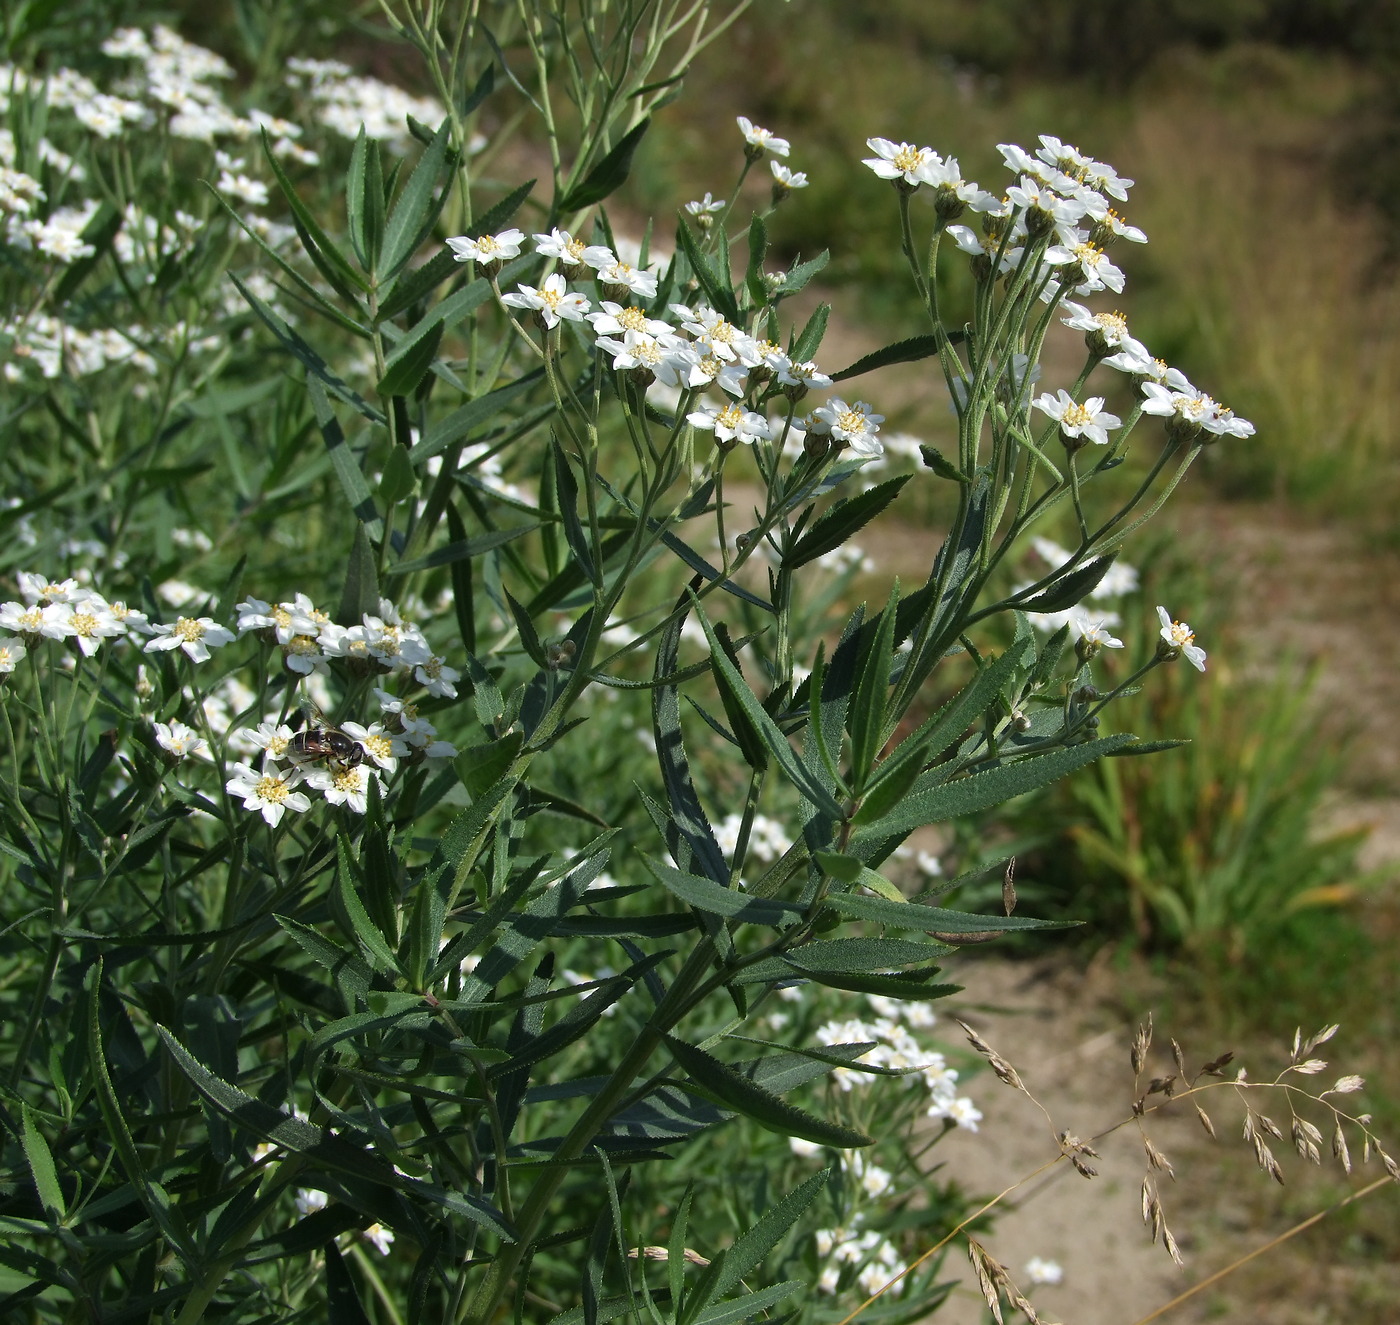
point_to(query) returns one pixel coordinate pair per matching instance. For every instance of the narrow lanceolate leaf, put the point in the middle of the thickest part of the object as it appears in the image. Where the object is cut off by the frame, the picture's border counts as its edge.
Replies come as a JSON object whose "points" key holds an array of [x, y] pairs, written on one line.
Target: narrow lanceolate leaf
{"points": [[802, 777], [835, 526], [800, 274], [687, 819], [41, 1166], [706, 895], [318, 1144], [929, 919], [317, 368], [417, 209], [858, 955], [750, 1305], [608, 175], [728, 1270], [361, 592], [411, 360], [714, 279], [473, 414], [735, 1091], [981, 791], [866, 719], [903, 351], [1070, 589]]}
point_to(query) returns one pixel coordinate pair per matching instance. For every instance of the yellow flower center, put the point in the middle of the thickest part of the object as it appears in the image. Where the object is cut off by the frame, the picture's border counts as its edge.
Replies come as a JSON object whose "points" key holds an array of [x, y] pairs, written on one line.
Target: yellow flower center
{"points": [[188, 629], [380, 746], [271, 788], [1076, 416], [632, 319], [83, 623], [908, 158]]}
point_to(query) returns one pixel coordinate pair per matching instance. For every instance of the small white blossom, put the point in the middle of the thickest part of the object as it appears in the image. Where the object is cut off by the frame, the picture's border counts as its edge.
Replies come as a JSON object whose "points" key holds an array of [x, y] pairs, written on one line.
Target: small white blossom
{"points": [[487, 248], [730, 423], [269, 791], [552, 301], [857, 425], [761, 140], [901, 161], [179, 740], [194, 635], [785, 180], [386, 750], [705, 207], [1039, 1270], [308, 1201], [1178, 635], [381, 1237], [1089, 420], [12, 653], [342, 786]]}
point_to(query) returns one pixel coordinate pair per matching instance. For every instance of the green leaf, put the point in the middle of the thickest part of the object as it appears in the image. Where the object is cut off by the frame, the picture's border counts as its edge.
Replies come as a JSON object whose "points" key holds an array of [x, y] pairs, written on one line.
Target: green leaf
{"points": [[735, 1091], [862, 956], [686, 823], [1145, 748], [411, 360], [1071, 589], [463, 549], [342, 1301], [320, 248], [903, 351], [834, 527], [940, 802], [319, 373], [358, 204], [758, 250], [914, 915], [751, 1304], [714, 279], [935, 460], [415, 283], [416, 211], [607, 176], [41, 1165], [362, 929], [321, 1146], [733, 1265], [810, 339], [866, 718], [152, 1195], [746, 736], [481, 766], [706, 895], [461, 421], [800, 274], [778, 745], [361, 592], [398, 480], [908, 985]]}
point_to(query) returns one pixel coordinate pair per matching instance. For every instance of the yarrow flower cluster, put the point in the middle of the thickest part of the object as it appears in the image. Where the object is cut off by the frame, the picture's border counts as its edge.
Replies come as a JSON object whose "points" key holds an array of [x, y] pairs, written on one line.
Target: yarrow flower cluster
{"points": [[687, 350], [897, 1047]]}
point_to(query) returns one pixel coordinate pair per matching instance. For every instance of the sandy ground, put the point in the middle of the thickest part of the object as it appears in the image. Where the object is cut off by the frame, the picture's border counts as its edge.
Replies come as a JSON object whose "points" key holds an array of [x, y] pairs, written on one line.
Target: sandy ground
{"points": [[1053, 1025]]}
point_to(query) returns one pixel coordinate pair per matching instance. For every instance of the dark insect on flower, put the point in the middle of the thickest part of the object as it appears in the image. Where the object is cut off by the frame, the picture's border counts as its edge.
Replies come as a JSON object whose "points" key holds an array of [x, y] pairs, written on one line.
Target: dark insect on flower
{"points": [[320, 743]]}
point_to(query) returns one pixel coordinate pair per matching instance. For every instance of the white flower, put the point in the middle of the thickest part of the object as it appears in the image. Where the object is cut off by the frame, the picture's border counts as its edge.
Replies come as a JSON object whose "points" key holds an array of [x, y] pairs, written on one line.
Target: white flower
{"points": [[562, 245], [1177, 635], [342, 786], [381, 1237], [805, 374], [901, 160], [617, 320], [180, 740], [1039, 1270], [193, 634], [384, 749], [706, 206], [929, 864], [804, 1148], [730, 423], [628, 277], [761, 140], [32, 619], [437, 677], [1089, 420], [961, 1111], [308, 1201], [552, 301], [269, 791], [1094, 633], [89, 621], [487, 248], [12, 653], [785, 180], [856, 425], [272, 738]]}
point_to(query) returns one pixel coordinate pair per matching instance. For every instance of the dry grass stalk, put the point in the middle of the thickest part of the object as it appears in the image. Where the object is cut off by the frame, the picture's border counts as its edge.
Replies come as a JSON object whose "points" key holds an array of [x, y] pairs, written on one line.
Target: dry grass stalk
{"points": [[664, 1254], [998, 1064]]}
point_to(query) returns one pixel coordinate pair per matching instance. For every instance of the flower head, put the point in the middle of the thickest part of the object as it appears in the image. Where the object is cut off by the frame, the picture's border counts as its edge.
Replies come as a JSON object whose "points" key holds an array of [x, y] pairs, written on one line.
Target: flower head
{"points": [[487, 248], [552, 301], [269, 791], [179, 740], [195, 635], [1089, 421], [1178, 639], [857, 425], [903, 162], [759, 141]]}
